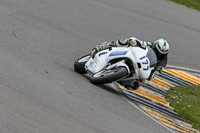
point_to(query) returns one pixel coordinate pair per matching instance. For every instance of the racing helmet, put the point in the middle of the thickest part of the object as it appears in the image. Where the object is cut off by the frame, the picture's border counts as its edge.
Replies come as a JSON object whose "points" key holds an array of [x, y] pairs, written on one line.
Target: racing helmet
{"points": [[161, 48]]}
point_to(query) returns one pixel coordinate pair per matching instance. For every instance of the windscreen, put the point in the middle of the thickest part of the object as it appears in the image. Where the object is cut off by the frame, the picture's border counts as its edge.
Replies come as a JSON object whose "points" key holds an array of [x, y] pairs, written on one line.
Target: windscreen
{"points": [[152, 57]]}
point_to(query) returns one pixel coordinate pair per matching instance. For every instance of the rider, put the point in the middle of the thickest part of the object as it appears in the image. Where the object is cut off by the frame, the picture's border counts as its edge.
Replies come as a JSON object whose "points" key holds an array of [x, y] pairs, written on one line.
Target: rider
{"points": [[160, 47]]}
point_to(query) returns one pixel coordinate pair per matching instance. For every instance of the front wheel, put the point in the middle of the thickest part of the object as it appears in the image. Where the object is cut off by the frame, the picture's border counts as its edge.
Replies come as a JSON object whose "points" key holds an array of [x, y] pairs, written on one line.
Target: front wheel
{"points": [[79, 64], [107, 76]]}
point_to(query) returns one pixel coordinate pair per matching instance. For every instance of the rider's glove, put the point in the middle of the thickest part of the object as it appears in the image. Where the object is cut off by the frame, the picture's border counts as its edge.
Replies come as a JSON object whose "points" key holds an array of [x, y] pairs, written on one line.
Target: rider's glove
{"points": [[143, 44], [102, 46], [149, 44]]}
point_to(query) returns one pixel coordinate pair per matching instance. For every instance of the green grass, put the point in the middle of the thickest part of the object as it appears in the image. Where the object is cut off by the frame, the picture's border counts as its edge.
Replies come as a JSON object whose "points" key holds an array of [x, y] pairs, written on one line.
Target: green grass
{"points": [[186, 102], [195, 4]]}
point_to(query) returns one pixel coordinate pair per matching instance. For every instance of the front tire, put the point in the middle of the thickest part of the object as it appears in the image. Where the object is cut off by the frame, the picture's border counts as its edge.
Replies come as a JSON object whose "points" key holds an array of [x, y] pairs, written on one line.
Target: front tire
{"points": [[79, 64], [108, 76]]}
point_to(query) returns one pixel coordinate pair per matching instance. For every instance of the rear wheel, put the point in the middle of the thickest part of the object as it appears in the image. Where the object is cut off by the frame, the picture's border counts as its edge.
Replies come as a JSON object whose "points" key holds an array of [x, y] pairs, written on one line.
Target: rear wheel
{"points": [[79, 64], [107, 76]]}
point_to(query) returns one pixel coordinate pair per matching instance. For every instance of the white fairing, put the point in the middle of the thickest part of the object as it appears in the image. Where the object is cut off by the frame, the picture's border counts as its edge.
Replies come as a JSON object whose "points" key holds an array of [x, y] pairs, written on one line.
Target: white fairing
{"points": [[138, 56]]}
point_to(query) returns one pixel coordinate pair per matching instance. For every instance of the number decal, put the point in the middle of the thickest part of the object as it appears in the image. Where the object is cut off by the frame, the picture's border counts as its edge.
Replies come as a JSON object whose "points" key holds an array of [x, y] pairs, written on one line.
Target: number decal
{"points": [[142, 57], [146, 68], [145, 62]]}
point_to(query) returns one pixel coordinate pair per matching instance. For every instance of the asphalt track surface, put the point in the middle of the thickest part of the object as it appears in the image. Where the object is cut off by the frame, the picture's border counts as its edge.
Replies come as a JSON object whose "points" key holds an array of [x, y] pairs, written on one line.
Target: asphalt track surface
{"points": [[41, 39]]}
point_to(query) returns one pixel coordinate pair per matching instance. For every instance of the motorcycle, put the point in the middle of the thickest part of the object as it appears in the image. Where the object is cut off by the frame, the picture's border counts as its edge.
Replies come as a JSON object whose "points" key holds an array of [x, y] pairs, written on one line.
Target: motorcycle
{"points": [[117, 64]]}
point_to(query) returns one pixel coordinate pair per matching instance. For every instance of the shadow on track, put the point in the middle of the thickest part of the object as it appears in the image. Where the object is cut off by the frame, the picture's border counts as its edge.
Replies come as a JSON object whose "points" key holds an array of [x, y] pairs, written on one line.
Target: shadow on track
{"points": [[106, 87]]}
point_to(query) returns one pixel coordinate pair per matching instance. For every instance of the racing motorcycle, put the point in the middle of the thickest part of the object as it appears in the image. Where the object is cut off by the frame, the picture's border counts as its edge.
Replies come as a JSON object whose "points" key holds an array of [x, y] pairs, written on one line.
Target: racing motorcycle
{"points": [[117, 64]]}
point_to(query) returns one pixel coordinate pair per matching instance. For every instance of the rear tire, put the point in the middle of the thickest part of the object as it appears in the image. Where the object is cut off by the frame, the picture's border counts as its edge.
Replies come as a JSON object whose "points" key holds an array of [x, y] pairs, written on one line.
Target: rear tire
{"points": [[79, 64], [108, 76]]}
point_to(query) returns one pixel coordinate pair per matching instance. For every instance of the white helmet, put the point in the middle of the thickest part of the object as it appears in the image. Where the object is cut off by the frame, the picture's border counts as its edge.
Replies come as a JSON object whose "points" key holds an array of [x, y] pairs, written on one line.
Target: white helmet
{"points": [[162, 46]]}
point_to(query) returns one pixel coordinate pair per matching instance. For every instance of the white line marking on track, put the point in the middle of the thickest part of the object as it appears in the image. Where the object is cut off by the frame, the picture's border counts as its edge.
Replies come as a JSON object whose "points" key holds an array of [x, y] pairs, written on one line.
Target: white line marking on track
{"points": [[183, 68], [134, 105], [147, 114]]}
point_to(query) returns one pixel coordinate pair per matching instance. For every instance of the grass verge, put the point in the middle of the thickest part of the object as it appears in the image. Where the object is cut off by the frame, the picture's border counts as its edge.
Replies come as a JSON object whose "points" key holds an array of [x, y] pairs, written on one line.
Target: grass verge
{"points": [[186, 102], [195, 4]]}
